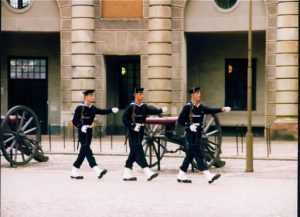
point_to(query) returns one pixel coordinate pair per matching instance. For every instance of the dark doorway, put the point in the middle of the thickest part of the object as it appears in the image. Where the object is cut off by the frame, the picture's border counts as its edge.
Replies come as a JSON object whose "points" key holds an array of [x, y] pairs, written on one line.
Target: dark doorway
{"points": [[123, 75], [27, 86], [236, 84]]}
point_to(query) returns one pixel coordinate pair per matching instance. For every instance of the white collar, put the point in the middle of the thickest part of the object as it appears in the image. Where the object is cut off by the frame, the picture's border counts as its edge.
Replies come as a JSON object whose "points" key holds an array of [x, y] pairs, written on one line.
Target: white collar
{"points": [[137, 104], [195, 105], [86, 105]]}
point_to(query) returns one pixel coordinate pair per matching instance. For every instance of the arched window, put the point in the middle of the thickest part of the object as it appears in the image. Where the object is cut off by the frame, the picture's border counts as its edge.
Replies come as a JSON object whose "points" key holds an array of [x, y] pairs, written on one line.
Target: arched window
{"points": [[19, 4], [225, 4]]}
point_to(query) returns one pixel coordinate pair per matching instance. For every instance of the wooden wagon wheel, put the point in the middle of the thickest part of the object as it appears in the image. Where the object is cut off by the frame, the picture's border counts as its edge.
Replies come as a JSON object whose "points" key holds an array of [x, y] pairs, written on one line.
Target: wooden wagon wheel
{"points": [[154, 143], [212, 140], [20, 135]]}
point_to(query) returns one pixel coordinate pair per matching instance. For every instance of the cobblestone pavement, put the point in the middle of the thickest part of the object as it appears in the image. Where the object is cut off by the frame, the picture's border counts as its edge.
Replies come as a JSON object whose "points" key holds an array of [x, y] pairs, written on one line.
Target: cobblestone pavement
{"points": [[45, 189]]}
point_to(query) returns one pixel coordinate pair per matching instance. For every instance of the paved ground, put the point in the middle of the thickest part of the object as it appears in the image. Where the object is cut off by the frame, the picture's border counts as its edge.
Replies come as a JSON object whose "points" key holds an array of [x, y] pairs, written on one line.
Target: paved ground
{"points": [[45, 189]]}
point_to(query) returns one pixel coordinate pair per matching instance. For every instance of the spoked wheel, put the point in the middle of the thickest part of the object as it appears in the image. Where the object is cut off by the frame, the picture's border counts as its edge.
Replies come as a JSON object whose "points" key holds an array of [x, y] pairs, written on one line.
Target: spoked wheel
{"points": [[211, 141], [20, 135], [154, 143]]}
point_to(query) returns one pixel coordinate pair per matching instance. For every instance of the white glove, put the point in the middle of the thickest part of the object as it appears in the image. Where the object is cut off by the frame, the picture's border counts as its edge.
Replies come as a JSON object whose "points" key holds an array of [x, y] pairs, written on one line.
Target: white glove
{"points": [[115, 110], [227, 109], [164, 109], [84, 128], [193, 128], [137, 128]]}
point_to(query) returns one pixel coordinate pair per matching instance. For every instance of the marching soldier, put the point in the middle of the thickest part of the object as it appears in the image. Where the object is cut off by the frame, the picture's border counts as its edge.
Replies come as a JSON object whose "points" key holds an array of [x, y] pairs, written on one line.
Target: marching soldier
{"points": [[134, 118], [191, 117], [83, 119]]}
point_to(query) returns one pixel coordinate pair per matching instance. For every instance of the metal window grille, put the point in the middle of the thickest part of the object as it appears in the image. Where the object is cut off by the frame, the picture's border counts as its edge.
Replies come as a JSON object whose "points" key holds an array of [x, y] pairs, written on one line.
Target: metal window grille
{"points": [[27, 68]]}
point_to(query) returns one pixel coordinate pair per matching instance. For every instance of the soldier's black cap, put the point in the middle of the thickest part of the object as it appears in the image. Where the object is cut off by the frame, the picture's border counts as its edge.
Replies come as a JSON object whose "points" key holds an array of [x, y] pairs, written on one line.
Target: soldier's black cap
{"points": [[194, 90], [138, 90], [87, 92]]}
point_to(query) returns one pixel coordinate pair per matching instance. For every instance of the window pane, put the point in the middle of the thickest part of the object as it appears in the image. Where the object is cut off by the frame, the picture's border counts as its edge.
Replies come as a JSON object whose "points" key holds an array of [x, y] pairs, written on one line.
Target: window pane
{"points": [[225, 4], [19, 62], [13, 62], [25, 75], [43, 62], [43, 69], [18, 4], [36, 62]]}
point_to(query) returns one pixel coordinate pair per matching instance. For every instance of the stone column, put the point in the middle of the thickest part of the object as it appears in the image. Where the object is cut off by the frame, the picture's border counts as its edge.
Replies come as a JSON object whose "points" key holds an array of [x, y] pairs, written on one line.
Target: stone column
{"points": [[286, 106], [83, 49], [159, 53], [271, 37], [65, 8]]}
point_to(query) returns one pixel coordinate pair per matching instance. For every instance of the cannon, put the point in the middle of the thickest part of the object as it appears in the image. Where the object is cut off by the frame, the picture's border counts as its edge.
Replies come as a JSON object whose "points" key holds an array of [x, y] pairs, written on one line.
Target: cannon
{"points": [[161, 130], [20, 136]]}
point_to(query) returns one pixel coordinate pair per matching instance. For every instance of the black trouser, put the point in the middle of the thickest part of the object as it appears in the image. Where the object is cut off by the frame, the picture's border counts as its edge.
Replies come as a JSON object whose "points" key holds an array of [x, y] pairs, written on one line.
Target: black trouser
{"points": [[85, 149], [193, 151], [136, 153]]}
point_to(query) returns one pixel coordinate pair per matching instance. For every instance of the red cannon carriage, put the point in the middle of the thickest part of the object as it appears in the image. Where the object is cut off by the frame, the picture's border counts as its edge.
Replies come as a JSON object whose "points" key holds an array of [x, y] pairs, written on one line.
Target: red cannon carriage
{"points": [[161, 130]]}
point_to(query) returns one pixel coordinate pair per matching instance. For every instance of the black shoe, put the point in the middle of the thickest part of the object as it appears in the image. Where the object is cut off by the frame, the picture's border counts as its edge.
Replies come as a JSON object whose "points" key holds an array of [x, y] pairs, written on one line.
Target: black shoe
{"points": [[130, 179], [102, 173], [184, 180], [153, 176], [214, 178], [77, 177]]}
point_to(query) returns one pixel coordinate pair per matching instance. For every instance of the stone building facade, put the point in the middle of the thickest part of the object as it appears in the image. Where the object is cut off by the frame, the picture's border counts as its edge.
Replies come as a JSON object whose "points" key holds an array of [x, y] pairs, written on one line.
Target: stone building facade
{"points": [[177, 43]]}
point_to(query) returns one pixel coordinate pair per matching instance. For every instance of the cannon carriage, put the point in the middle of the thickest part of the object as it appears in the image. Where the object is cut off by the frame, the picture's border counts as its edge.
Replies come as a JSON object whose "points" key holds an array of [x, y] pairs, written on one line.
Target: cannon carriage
{"points": [[161, 130], [20, 136]]}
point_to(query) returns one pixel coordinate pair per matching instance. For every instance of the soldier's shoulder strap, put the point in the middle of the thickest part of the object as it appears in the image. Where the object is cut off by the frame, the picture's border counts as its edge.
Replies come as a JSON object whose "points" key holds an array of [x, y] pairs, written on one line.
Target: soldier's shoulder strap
{"points": [[190, 113], [133, 112], [81, 114]]}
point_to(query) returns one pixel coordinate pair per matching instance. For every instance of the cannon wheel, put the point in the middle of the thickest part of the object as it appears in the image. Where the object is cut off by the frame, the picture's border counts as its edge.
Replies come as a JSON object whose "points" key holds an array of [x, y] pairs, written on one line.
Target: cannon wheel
{"points": [[154, 143], [212, 140], [20, 135]]}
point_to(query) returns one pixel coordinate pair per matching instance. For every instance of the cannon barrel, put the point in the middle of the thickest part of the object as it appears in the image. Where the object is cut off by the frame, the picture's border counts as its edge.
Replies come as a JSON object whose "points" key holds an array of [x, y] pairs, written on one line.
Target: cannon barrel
{"points": [[161, 120]]}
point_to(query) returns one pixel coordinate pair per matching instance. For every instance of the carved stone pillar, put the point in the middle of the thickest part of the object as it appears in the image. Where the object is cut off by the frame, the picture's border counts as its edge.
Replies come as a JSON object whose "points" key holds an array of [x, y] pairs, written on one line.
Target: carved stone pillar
{"points": [[286, 99], [160, 53], [83, 49]]}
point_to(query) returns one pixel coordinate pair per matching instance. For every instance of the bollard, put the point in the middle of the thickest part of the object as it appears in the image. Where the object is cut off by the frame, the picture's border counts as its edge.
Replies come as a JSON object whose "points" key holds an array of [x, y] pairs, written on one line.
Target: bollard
{"points": [[268, 138], [125, 140], [100, 144], [74, 144], [49, 133], [64, 132], [111, 136], [158, 153], [242, 136], [237, 139], [150, 153]]}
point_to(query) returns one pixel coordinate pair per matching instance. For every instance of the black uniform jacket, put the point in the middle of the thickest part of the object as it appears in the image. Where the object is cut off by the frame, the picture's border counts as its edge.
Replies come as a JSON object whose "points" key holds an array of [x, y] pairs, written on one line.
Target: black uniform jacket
{"points": [[85, 115], [194, 114], [137, 114]]}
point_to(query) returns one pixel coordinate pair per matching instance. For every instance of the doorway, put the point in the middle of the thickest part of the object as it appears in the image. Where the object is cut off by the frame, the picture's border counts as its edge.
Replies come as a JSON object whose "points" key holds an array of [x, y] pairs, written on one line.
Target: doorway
{"points": [[123, 75], [27, 85]]}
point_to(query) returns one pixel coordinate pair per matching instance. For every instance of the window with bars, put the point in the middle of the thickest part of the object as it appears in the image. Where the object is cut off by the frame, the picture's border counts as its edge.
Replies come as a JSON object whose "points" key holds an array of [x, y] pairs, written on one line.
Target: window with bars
{"points": [[19, 4], [28, 68]]}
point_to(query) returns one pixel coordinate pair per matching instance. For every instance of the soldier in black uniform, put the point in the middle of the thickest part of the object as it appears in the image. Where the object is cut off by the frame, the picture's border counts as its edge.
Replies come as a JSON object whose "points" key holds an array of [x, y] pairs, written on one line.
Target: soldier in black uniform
{"points": [[83, 119], [191, 117], [134, 118]]}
